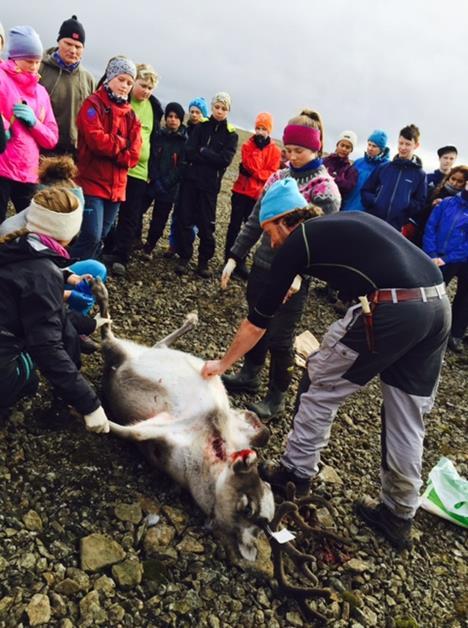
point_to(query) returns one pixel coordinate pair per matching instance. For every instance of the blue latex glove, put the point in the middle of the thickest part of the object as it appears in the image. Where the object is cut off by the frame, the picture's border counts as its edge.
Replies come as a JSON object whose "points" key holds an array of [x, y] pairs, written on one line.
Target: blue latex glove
{"points": [[84, 287], [80, 301], [25, 113]]}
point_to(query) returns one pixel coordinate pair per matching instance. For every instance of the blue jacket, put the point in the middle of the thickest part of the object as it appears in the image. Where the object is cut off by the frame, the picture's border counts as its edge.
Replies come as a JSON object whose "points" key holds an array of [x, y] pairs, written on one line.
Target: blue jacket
{"points": [[446, 233], [396, 191], [365, 166]]}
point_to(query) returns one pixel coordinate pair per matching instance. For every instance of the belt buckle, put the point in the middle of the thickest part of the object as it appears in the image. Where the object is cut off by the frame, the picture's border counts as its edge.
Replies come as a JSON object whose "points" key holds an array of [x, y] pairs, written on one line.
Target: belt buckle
{"points": [[423, 295], [394, 295]]}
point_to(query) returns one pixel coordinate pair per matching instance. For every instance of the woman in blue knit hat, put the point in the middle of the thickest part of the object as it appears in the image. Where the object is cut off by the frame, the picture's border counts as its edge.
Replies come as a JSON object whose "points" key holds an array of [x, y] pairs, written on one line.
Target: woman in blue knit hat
{"points": [[377, 153]]}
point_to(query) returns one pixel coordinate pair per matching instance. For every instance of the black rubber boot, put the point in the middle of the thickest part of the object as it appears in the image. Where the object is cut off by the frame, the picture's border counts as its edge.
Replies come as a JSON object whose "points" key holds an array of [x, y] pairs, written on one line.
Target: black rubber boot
{"points": [[245, 380], [279, 477], [271, 406], [395, 529], [281, 365]]}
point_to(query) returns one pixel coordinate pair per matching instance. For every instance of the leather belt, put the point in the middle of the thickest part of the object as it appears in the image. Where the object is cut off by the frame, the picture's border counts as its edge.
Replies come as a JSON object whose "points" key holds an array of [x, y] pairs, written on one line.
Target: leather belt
{"points": [[399, 295]]}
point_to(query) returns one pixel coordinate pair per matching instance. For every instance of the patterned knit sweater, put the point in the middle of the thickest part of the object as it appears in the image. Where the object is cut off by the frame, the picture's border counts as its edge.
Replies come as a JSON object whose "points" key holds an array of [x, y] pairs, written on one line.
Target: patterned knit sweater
{"points": [[317, 187]]}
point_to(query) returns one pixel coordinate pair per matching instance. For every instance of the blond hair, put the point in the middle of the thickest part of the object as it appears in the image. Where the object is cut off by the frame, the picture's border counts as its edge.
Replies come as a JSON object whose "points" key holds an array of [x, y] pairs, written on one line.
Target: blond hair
{"points": [[146, 72], [312, 120]]}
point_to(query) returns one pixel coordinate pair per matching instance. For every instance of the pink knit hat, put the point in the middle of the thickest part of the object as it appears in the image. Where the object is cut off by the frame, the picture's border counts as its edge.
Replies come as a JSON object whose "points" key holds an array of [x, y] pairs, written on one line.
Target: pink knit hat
{"points": [[302, 136]]}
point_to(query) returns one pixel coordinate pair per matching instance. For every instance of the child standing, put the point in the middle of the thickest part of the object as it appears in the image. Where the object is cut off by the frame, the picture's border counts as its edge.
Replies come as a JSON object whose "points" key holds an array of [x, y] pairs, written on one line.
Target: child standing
{"points": [[209, 151], [149, 112], [340, 166], [376, 154], [165, 171], [396, 191], [447, 156], [446, 242], [260, 159], [109, 143], [198, 112], [27, 116]]}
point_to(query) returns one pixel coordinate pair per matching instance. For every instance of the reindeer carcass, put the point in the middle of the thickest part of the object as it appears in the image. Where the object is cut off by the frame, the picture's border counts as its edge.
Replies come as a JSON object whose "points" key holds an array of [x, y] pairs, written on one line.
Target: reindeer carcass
{"points": [[157, 397]]}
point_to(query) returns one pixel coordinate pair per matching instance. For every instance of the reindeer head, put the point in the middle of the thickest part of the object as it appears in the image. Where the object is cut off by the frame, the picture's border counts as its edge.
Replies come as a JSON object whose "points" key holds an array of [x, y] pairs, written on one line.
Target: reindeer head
{"points": [[243, 502]]}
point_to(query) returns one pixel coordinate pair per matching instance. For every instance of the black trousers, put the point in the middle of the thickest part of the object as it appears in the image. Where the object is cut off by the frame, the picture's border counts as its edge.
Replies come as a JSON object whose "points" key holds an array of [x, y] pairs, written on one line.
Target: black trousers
{"points": [[129, 219], [241, 207], [17, 380], [279, 337], [195, 207], [19, 193], [161, 210], [460, 302]]}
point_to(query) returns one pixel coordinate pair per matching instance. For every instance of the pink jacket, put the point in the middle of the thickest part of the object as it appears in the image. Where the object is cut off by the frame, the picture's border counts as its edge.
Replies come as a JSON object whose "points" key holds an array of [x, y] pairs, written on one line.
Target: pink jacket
{"points": [[20, 160]]}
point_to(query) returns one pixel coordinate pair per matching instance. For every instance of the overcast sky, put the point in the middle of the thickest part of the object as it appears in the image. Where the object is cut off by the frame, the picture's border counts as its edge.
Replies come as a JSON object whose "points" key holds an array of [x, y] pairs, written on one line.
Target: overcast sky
{"points": [[362, 64]]}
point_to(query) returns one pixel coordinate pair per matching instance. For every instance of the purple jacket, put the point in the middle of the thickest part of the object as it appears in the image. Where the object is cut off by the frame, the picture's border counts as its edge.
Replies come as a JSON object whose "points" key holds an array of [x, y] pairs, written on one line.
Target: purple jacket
{"points": [[343, 171]]}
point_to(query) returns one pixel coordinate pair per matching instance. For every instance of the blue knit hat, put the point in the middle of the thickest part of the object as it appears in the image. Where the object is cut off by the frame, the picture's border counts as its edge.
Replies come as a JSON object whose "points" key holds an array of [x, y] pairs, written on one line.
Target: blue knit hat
{"points": [[200, 103], [24, 43], [282, 198], [379, 138]]}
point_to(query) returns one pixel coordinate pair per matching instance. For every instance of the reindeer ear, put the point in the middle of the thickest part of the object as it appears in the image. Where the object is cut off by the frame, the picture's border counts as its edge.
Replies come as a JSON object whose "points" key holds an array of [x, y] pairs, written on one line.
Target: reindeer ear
{"points": [[243, 460]]}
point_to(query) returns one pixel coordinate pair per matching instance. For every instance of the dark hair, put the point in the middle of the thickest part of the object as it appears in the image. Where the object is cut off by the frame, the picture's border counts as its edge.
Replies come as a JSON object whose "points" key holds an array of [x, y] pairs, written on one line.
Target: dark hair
{"points": [[301, 215], [446, 149], [60, 169], [454, 170], [410, 132]]}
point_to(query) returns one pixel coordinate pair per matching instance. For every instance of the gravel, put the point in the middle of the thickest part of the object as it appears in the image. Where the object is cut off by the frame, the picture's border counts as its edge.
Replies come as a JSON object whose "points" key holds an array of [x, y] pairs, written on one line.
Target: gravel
{"points": [[91, 535]]}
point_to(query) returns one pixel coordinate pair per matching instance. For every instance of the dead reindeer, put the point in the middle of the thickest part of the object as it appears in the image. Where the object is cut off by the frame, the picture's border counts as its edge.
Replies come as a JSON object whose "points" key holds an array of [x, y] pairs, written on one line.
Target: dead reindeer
{"points": [[185, 426]]}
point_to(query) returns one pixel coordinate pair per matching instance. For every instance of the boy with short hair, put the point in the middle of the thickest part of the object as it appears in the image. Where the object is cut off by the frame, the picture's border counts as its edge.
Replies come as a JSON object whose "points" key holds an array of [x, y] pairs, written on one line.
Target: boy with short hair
{"points": [[447, 156], [165, 171], [339, 166], [396, 191]]}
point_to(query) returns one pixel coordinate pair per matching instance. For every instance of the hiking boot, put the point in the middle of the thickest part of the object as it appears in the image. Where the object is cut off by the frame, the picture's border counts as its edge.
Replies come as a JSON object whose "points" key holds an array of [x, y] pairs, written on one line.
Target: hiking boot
{"points": [[455, 344], [182, 267], [245, 380], [88, 345], [271, 406], [203, 270], [279, 476], [119, 269], [380, 518]]}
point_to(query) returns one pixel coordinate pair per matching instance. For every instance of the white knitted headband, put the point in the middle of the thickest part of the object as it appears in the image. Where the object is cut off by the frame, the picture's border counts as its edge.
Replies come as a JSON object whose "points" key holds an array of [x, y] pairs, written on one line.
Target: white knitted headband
{"points": [[60, 226]]}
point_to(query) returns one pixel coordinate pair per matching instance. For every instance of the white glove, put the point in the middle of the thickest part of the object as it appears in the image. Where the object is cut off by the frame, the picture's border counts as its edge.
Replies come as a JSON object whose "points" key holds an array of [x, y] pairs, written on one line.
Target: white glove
{"points": [[97, 421], [100, 321], [227, 272]]}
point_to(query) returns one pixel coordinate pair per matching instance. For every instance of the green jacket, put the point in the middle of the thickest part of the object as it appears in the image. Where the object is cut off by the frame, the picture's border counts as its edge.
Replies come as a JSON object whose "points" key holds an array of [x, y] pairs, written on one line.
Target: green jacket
{"points": [[67, 91]]}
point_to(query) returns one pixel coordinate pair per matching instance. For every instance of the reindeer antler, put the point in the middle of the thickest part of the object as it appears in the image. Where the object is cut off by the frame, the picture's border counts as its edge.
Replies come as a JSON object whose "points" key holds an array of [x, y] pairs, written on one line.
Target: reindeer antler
{"points": [[295, 509]]}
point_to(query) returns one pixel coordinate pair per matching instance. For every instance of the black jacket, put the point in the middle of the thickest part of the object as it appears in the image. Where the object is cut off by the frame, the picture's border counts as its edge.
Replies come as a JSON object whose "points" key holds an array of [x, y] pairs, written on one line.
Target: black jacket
{"points": [[166, 166], [33, 318], [157, 116], [209, 151]]}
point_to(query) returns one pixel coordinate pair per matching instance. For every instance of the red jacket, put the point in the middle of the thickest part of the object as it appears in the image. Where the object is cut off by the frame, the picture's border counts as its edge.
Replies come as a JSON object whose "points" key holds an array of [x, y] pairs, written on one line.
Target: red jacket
{"points": [[109, 143], [261, 163]]}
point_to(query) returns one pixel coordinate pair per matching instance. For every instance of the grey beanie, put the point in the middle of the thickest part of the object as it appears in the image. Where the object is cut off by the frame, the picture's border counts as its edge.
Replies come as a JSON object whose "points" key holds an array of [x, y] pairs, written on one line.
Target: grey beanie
{"points": [[24, 43], [120, 65]]}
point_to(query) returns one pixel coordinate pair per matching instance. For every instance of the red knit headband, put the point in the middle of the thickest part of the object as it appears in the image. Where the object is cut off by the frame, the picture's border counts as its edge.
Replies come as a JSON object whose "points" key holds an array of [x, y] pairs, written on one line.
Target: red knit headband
{"points": [[302, 136]]}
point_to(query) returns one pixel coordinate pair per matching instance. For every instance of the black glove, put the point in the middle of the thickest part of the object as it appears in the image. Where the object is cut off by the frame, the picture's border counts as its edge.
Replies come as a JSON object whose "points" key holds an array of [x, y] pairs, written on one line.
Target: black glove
{"points": [[243, 170]]}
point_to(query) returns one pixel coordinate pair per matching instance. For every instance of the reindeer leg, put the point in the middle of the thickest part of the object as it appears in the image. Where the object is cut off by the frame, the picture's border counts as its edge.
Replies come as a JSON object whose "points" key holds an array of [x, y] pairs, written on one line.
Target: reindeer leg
{"points": [[191, 321], [102, 299], [148, 429]]}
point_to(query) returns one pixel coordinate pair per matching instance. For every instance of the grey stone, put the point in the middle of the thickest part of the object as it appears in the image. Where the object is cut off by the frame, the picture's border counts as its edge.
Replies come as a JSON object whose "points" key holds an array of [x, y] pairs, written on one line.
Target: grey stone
{"points": [[328, 474], [356, 565], [116, 613], [90, 609], [68, 587], [129, 512], [32, 521], [105, 585], [128, 573], [98, 551], [38, 610], [158, 537], [190, 545]]}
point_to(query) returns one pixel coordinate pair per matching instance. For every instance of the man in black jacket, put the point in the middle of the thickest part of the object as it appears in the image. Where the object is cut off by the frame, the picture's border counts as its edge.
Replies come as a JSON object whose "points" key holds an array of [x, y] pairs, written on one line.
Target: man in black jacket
{"points": [[209, 151], [399, 334]]}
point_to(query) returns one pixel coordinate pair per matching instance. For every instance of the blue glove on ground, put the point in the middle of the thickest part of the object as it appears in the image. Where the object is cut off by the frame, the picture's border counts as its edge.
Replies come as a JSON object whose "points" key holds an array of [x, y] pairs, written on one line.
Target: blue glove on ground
{"points": [[25, 113], [79, 300]]}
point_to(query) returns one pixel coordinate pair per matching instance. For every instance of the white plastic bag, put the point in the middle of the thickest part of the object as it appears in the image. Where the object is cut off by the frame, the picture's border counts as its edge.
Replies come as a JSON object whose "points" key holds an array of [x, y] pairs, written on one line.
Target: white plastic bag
{"points": [[446, 494]]}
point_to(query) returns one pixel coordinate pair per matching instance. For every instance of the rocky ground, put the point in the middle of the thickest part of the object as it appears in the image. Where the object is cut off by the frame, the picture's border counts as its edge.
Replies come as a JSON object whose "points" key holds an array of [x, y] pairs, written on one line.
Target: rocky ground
{"points": [[91, 535]]}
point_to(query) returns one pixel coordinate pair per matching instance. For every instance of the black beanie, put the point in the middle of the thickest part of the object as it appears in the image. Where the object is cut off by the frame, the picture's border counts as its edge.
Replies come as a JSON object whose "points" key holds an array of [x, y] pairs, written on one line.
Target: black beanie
{"points": [[174, 107], [73, 29], [446, 149]]}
